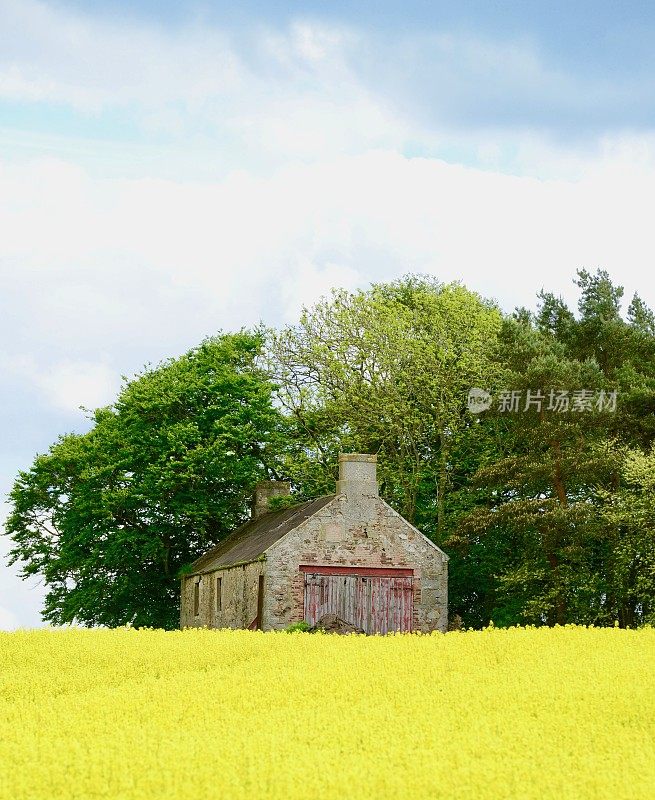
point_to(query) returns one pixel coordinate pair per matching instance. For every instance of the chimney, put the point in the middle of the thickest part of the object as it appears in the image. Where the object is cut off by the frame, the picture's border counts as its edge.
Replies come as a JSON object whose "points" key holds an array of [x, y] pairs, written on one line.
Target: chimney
{"points": [[264, 491], [357, 474]]}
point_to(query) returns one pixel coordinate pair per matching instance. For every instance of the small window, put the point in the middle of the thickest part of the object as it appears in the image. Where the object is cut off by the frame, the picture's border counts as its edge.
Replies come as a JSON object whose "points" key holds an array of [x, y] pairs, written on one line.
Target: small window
{"points": [[219, 594], [196, 598]]}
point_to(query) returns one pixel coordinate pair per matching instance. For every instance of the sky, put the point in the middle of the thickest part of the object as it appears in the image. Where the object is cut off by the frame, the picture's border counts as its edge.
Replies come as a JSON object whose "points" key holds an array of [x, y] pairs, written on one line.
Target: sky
{"points": [[172, 169]]}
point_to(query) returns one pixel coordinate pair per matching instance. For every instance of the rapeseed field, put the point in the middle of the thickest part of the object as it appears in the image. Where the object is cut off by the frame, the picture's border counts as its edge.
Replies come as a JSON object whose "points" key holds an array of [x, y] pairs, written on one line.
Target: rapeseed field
{"points": [[222, 715]]}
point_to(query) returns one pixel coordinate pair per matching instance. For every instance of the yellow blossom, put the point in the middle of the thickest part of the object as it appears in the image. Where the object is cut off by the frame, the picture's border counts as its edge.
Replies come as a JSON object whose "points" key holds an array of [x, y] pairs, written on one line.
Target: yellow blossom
{"points": [[567, 712]]}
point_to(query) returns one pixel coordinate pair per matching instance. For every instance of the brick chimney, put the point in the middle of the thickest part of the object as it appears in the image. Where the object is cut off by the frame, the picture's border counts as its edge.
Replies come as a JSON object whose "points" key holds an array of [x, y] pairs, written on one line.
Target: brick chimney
{"points": [[357, 474], [264, 491]]}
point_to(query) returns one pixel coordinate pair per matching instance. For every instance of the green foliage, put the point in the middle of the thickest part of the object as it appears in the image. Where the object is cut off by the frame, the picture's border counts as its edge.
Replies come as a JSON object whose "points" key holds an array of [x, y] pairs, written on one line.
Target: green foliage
{"points": [[298, 627], [628, 521], [384, 371], [284, 501], [109, 518], [539, 547]]}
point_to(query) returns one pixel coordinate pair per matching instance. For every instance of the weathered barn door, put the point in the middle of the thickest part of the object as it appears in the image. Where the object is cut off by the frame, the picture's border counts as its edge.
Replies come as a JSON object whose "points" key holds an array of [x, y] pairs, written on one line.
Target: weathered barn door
{"points": [[376, 600]]}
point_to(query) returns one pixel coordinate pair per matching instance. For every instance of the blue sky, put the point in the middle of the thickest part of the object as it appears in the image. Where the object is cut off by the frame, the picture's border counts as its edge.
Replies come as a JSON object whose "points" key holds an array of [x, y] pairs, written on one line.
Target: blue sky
{"points": [[171, 169]]}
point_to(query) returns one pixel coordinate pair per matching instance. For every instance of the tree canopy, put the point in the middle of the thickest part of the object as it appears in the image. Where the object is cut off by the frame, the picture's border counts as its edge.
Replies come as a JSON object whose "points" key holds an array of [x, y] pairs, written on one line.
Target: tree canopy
{"points": [[384, 371], [108, 518], [540, 534]]}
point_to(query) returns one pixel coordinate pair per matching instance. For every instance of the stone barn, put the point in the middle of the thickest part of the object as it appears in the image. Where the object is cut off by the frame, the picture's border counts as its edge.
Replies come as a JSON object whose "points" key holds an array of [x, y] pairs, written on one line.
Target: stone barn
{"points": [[348, 554]]}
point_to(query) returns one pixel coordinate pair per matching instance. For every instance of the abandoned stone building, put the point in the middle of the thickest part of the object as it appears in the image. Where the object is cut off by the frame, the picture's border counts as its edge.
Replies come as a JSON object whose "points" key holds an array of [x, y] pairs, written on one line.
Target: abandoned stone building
{"points": [[348, 554]]}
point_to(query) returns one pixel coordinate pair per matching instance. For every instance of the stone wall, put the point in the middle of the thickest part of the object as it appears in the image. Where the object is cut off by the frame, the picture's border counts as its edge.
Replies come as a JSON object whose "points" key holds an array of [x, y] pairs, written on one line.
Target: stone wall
{"points": [[355, 530], [238, 605]]}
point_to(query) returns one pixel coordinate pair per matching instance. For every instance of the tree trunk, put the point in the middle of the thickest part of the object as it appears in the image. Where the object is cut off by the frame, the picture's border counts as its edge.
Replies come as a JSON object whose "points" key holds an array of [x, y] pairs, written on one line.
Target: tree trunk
{"points": [[558, 481], [560, 603]]}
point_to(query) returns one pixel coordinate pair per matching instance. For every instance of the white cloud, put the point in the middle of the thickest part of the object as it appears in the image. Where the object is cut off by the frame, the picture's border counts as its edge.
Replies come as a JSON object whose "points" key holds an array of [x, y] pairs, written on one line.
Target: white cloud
{"points": [[8, 620], [306, 281], [71, 384], [20, 600], [279, 94], [65, 385], [54, 54], [101, 265], [307, 89]]}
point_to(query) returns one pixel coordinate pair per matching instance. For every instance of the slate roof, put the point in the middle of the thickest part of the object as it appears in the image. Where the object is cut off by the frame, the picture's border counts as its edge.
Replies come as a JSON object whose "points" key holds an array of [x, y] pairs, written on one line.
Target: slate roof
{"points": [[251, 540]]}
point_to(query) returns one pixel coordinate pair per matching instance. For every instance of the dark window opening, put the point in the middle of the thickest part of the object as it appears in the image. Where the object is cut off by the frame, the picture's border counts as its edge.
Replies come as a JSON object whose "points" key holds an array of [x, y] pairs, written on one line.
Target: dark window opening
{"points": [[196, 598], [219, 594]]}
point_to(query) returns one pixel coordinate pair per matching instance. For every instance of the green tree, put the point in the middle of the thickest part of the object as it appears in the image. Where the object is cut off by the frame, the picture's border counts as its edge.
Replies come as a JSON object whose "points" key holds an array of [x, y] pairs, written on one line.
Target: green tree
{"points": [[542, 487], [537, 546], [628, 523], [387, 371], [110, 517]]}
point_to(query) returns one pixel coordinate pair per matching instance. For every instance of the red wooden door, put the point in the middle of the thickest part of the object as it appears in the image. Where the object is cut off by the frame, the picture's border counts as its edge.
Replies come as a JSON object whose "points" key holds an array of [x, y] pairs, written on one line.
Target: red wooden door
{"points": [[378, 601]]}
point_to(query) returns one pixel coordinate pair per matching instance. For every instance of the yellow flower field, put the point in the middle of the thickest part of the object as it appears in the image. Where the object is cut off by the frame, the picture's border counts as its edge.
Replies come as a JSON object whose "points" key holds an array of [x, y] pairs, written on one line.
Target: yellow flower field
{"points": [[522, 713]]}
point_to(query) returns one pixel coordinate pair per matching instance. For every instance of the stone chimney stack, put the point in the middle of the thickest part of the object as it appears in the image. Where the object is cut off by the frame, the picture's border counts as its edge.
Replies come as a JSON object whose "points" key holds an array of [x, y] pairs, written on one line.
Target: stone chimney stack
{"points": [[264, 491], [357, 474]]}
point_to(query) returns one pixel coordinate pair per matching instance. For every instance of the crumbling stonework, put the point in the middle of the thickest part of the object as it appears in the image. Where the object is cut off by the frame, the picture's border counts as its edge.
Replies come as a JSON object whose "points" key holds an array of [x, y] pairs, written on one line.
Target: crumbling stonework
{"points": [[356, 531], [238, 597]]}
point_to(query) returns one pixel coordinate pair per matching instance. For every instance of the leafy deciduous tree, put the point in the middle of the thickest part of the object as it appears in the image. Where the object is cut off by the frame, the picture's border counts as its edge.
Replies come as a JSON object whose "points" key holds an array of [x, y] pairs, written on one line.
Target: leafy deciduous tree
{"points": [[108, 518]]}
